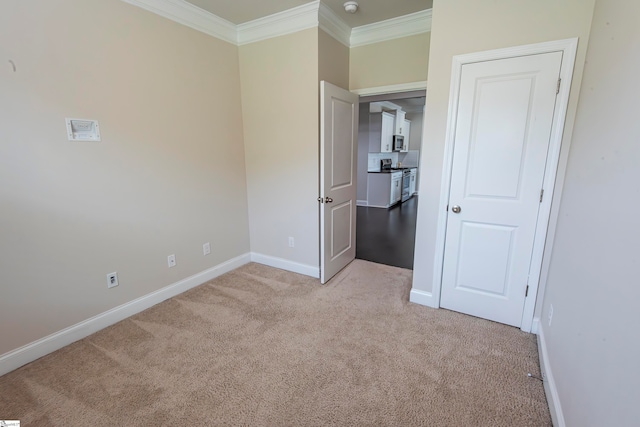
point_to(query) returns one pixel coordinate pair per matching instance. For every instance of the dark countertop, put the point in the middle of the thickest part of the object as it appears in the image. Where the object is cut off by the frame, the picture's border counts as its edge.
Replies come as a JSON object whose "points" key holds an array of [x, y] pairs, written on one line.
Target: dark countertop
{"points": [[392, 170]]}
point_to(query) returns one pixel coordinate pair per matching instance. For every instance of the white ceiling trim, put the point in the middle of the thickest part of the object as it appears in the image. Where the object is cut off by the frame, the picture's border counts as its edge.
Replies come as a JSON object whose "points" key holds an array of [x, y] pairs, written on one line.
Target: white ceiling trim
{"points": [[310, 15], [402, 26], [279, 24], [384, 90], [333, 25], [192, 16]]}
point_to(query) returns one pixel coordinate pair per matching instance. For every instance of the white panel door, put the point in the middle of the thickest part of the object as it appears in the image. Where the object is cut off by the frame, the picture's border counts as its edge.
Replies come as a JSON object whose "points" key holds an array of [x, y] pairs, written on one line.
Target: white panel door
{"points": [[503, 129], [338, 155]]}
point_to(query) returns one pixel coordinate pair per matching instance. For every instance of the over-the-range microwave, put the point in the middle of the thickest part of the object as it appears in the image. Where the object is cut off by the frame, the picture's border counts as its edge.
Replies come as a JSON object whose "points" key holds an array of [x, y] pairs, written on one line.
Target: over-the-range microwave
{"points": [[398, 142]]}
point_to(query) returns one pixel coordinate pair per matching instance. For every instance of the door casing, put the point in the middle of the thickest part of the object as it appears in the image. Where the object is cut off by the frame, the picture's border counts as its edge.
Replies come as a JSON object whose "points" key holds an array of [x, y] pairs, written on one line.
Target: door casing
{"points": [[569, 48]]}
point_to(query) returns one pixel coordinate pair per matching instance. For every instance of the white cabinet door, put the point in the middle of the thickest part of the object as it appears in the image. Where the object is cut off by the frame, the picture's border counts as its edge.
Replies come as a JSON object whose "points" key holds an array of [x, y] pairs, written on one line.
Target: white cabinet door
{"points": [[396, 188], [386, 133], [412, 183], [399, 122], [406, 132]]}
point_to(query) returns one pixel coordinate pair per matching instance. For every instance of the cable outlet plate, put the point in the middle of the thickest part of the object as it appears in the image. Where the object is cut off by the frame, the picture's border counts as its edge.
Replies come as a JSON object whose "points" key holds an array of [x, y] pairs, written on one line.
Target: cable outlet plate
{"points": [[171, 260], [112, 280]]}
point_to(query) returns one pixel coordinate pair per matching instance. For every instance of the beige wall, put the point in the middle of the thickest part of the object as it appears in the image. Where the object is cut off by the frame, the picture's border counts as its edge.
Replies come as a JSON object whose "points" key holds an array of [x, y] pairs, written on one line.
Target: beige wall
{"points": [[168, 175], [280, 112], [333, 60], [465, 26], [593, 282], [392, 62]]}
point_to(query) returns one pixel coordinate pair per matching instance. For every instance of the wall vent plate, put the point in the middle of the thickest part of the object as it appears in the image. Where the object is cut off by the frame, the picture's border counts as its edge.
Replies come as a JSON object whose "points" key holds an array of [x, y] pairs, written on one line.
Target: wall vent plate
{"points": [[83, 130]]}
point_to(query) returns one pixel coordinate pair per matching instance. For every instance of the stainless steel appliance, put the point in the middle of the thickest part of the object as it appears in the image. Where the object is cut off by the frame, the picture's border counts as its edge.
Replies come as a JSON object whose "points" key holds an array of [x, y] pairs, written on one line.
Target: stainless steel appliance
{"points": [[398, 142], [385, 164], [406, 184]]}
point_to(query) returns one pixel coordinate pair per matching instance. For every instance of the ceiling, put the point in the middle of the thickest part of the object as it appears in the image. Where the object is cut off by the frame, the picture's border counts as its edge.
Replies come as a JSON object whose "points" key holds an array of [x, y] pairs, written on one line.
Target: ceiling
{"points": [[370, 11]]}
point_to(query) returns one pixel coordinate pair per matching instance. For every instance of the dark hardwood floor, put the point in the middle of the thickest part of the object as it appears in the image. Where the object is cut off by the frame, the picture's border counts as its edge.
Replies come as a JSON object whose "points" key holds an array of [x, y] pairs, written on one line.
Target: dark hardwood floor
{"points": [[387, 236]]}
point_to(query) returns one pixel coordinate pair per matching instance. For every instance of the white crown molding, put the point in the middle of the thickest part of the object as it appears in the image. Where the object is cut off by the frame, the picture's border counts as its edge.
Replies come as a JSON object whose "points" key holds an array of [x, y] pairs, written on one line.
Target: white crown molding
{"points": [[402, 26], [310, 15], [192, 16], [279, 24], [331, 24]]}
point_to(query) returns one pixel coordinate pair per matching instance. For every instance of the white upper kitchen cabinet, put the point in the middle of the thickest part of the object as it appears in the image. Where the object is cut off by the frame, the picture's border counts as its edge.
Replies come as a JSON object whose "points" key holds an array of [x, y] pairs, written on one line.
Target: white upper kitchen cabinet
{"points": [[399, 122], [406, 132], [381, 127]]}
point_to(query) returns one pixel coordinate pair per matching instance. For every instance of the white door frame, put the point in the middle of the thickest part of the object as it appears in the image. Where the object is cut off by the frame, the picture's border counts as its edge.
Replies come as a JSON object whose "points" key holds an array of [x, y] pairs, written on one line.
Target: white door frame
{"points": [[569, 48]]}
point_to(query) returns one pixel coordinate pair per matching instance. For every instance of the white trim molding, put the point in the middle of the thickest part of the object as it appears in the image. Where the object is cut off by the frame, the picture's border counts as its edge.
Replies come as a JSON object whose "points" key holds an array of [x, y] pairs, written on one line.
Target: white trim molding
{"points": [[285, 264], [314, 14], [192, 16], [423, 298], [35, 350], [384, 90], [568, 47], [394, 28], [331, 24], [279, 24], [550, 389]]}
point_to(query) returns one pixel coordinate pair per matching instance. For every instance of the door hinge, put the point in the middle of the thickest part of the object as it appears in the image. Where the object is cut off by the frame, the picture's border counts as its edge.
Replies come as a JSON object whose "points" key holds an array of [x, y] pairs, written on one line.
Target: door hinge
{"points": [[541, 195], [558, 87], [526, 292]]}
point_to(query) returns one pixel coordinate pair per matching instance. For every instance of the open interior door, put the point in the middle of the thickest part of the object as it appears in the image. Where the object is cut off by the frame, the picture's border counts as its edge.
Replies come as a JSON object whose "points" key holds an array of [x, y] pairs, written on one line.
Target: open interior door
{"points": [[338, 154]]}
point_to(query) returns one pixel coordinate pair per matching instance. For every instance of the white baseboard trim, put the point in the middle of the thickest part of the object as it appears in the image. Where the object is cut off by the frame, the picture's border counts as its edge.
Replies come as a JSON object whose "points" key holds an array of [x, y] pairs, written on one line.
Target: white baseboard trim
{"points": [[36, 349], [535, 325], [362, 203], [422, 298], [553, 399], [285, 264]]}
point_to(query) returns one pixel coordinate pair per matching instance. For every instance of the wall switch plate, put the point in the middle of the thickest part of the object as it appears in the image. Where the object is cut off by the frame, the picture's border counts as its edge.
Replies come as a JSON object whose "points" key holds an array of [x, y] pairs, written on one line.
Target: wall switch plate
{"points": [[550, 314], [112, 280], [82, 130], [292, 242], [171, 260], [206, 248]]}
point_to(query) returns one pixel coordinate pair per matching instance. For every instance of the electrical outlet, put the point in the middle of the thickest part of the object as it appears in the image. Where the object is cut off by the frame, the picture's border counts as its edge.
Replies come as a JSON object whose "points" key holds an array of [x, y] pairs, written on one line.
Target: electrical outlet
{"points": [[171, 260], [292, 242], [206, 248], [550, 314], [112, 280]]}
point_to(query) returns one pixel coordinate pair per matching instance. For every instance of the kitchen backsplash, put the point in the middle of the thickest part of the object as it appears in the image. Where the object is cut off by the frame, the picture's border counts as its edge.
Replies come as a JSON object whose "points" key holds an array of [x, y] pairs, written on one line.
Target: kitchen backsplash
{"points": [[408, 159]]}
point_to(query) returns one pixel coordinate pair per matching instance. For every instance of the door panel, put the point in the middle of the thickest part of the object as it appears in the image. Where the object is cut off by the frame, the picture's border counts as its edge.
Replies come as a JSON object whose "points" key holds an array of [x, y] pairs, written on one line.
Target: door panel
{"points": [[341, 229], [338, 156], [342, 149], [503, 128]]}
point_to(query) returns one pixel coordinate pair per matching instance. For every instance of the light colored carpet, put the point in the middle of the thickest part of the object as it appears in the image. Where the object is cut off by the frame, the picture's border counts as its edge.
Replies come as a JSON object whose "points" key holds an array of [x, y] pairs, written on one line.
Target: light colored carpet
{"points": [[264, 347]]}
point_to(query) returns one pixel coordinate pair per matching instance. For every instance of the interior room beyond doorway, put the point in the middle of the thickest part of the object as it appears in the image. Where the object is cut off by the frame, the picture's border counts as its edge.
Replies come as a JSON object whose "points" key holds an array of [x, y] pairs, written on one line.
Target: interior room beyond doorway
{"points": [[389, 144]]}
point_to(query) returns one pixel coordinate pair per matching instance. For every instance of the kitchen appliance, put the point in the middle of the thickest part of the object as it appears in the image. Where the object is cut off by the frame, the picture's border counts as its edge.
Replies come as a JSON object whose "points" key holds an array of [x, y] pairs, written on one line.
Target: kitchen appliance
{"points": [[385, 165], [406, 185], [398, 142]]}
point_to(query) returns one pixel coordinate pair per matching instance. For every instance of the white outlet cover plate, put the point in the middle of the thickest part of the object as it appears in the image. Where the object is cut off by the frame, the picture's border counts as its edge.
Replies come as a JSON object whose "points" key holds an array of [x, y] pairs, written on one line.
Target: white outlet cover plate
{"points": [[112, 280]]}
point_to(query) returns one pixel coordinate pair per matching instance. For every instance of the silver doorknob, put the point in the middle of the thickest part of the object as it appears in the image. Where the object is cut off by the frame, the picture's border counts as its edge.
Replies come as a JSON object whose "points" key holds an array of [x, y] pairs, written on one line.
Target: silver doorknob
{"points": [[328, 199], [456, 209]]}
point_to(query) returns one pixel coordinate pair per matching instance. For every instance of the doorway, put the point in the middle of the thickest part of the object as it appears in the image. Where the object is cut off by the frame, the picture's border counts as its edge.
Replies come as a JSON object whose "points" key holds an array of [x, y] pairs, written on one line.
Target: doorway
{"points": [[386, 224]]}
